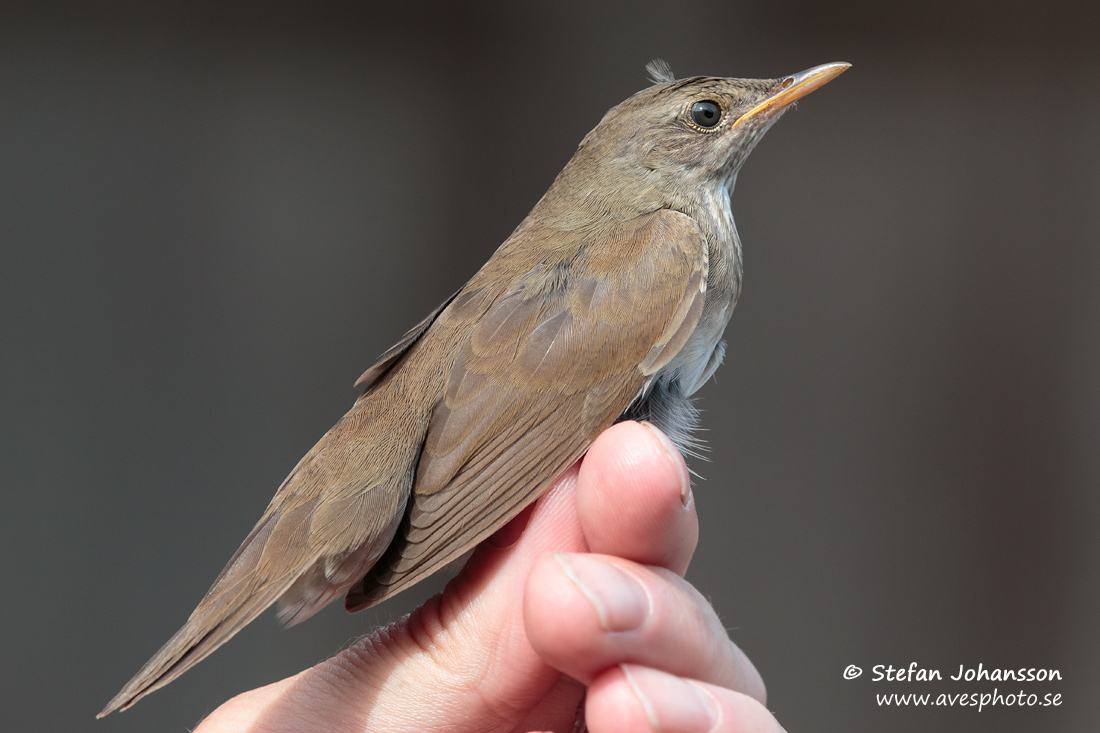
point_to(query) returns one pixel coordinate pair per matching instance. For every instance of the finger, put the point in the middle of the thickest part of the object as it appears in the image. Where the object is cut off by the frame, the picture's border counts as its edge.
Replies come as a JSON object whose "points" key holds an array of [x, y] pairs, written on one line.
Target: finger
{"points": [[629, 698], [586, 613], [634, 498]]}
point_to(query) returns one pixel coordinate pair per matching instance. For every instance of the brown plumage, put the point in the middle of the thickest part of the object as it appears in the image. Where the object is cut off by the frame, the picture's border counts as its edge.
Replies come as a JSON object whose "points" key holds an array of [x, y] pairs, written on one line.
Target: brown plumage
{"points": [[609, 300]]}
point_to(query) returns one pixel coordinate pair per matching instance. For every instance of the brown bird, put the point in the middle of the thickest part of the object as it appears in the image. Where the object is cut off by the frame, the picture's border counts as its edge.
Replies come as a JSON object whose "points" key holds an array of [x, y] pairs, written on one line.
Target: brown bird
{"points": [[608, 302]]}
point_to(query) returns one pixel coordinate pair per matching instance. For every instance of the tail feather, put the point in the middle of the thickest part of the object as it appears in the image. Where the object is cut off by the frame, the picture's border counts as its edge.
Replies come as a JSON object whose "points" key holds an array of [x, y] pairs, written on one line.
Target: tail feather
{"points": [[204, 632], [238, 596]]}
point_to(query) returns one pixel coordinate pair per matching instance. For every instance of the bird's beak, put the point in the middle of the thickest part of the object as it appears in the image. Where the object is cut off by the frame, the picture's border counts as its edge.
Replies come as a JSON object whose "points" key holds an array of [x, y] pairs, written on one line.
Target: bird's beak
{"points": [[796, 87]]}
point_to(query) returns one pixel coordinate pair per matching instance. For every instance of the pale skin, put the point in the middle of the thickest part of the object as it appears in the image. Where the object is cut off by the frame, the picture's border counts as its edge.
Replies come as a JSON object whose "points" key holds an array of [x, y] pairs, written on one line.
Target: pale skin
{"points": [[584, 591]]}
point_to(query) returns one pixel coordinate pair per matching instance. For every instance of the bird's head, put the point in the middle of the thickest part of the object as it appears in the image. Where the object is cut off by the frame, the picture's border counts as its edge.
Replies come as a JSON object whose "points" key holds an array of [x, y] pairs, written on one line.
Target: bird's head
{"points": [[677, 139]]}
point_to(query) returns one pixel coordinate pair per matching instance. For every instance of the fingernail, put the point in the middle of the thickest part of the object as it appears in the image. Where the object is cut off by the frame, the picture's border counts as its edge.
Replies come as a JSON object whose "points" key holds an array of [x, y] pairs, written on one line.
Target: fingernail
{"points": [[672, 703], [677, 461], [620, 601]]}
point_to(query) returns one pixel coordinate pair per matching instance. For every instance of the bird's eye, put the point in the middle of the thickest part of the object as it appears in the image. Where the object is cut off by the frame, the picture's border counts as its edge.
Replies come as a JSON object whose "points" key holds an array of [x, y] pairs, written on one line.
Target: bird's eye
{"points": [[706, 113]]}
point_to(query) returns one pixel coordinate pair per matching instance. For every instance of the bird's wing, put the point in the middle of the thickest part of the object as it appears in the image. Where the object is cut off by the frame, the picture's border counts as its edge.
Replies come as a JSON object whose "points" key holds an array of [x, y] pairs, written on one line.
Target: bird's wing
{"points": [[549, 364]]}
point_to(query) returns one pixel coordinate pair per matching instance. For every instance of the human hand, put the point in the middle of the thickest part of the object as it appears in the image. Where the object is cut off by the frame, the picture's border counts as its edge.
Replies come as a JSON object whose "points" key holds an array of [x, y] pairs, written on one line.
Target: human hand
{"points": [[584, 590]]}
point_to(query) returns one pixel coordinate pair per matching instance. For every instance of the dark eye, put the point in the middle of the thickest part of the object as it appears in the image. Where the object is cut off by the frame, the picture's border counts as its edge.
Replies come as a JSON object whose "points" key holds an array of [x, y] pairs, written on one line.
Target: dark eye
{"points": [[706, 113]]}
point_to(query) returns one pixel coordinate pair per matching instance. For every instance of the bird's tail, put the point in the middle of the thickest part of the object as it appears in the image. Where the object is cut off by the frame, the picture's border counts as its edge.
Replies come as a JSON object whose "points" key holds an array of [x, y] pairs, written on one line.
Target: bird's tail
{"points": [[237, 597]]}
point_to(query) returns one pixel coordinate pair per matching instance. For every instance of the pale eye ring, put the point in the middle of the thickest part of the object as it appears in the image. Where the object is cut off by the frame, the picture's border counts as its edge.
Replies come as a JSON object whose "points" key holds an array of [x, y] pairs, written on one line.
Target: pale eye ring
{"points": [[706, 113]]}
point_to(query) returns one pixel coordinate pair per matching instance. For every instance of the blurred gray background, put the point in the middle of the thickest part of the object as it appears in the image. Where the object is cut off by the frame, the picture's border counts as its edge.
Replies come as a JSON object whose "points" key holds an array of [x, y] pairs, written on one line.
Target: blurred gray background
{"points": [[213, 218]]}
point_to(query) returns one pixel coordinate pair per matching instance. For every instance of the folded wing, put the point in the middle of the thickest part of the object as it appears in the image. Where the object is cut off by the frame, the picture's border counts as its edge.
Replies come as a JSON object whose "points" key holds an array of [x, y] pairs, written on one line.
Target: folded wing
{"points": [[551, 362]]}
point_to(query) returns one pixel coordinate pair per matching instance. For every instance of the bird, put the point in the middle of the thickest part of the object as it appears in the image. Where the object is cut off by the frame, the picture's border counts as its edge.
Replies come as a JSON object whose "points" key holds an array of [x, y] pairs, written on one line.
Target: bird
{"points": [[608, 302]]}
